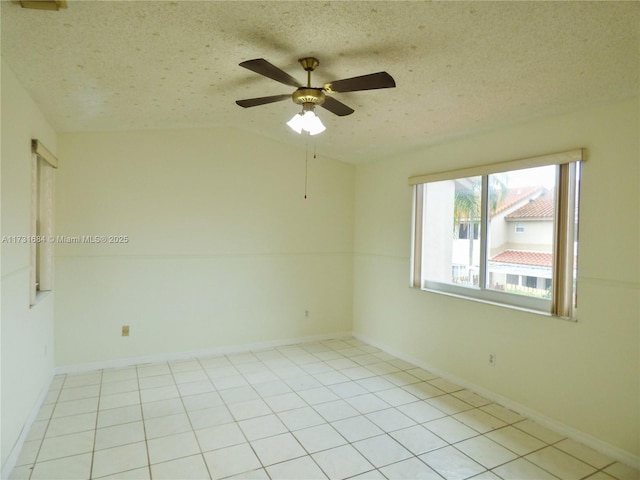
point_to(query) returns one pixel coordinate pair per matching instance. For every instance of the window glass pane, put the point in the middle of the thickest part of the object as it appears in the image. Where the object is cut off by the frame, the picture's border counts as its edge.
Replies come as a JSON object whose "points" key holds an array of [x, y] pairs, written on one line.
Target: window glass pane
{"points": [[520, 231], [513, 279], [463, 230], [451, 248]]}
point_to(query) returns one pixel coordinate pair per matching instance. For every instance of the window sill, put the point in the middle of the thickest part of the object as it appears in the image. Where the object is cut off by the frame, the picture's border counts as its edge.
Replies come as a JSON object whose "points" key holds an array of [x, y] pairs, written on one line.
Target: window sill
{"points": [[496, 304], [40, 296]]}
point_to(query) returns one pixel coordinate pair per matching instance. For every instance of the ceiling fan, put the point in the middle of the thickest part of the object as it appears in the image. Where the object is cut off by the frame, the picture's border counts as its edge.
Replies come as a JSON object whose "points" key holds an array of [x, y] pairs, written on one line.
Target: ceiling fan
{"points": [[309, 96]]}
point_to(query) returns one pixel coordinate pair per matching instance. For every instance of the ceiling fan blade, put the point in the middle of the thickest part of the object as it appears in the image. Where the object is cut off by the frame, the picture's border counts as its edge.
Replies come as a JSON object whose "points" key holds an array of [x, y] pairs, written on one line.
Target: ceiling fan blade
{"points": [[334, 106], [261, 66], [364, 82], [254, 102]]}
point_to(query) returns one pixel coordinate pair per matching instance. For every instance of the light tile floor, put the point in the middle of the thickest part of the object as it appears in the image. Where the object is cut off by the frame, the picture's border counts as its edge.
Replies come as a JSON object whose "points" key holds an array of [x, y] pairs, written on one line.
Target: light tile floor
{"points": [[334, 409]]}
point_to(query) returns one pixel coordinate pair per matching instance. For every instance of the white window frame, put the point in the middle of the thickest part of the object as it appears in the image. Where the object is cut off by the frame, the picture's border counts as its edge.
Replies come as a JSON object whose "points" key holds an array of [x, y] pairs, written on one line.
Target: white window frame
{"points": [[563, 299], [43, 163]]}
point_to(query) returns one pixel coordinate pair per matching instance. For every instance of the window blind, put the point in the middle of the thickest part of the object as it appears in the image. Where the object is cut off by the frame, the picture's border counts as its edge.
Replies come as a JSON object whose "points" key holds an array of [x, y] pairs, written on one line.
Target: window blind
{"points": [[560, 158]]}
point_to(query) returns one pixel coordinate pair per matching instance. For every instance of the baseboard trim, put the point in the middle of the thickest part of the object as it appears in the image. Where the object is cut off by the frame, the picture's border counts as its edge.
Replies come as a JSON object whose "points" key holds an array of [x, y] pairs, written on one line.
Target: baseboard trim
{"points": [[12, 459], [605, 448], [188, 355]]}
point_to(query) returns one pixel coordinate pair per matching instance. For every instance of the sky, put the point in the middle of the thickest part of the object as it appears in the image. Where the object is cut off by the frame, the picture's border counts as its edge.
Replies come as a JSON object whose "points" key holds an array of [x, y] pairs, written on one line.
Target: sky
{"points": [[545, 176]]}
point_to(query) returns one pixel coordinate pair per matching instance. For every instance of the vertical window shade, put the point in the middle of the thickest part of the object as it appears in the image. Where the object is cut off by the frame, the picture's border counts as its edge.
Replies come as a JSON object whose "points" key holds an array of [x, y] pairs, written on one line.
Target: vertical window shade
{"points": [[42, 152], [564, 255], [467, 280], [416, 264], [43, 163]]}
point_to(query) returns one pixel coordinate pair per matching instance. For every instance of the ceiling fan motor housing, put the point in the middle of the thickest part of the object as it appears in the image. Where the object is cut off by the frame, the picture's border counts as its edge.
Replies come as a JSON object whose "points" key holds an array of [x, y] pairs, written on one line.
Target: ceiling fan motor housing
{"points": [[304, 95], [308, 96]]}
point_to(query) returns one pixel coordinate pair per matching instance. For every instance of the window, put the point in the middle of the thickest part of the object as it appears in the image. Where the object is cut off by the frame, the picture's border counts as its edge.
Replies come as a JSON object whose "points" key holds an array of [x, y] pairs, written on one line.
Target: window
{"points": [[469, 237], [42, 184], [465, 227], [513, 279]]}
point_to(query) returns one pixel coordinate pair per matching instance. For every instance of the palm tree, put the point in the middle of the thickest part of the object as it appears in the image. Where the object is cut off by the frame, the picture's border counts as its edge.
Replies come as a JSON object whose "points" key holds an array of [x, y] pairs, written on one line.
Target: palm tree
{"points": [[467, 201]]}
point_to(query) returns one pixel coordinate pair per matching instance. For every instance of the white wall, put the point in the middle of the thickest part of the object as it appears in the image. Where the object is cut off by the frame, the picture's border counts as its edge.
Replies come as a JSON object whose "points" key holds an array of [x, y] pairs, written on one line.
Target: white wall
{"points": [[584, 375], [26, 333], [223, 250]]}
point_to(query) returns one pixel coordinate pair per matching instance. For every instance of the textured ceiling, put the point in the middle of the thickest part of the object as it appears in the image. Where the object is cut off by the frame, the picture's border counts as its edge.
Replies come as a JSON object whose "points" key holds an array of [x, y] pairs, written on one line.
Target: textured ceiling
{"points": [[460, 67]]}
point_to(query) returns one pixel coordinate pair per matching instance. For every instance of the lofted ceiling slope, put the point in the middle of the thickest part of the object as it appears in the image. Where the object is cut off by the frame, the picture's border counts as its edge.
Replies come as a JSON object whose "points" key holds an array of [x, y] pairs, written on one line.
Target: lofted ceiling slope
{"points": [[460, 67]]}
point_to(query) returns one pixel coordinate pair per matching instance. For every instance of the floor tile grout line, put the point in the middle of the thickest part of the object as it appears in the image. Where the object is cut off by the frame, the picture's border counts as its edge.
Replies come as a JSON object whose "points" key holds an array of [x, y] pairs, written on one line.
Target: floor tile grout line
{"points": [[273, 412], [413, 455], [553, 445], [310, 372], [449, 415], [538, 466], [362, 414], [235, 421], [144, 426], [384, 432], [44, 435], [51, 418], [95, 431], [524, 457], [193, 431], [578, 458], [487, 469], [291, 432], [202, 452]]}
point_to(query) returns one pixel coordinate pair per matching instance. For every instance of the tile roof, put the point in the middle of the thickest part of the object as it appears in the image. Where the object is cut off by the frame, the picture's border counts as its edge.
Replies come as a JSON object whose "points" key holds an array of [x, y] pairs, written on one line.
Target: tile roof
{"points": [[541, 207], [513, 196], [523, 257]]}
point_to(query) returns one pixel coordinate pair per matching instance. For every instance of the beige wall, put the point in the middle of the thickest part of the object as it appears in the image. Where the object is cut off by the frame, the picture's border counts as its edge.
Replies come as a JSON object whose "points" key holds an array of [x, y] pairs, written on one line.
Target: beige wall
{"points": [[537, 236], [223, 248], [26, 333], [584, 375]]}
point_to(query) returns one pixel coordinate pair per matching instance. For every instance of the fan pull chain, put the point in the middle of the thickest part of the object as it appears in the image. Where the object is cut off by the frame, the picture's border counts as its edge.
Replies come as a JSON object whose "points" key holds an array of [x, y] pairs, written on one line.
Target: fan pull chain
{"points": [[306, 166]]}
